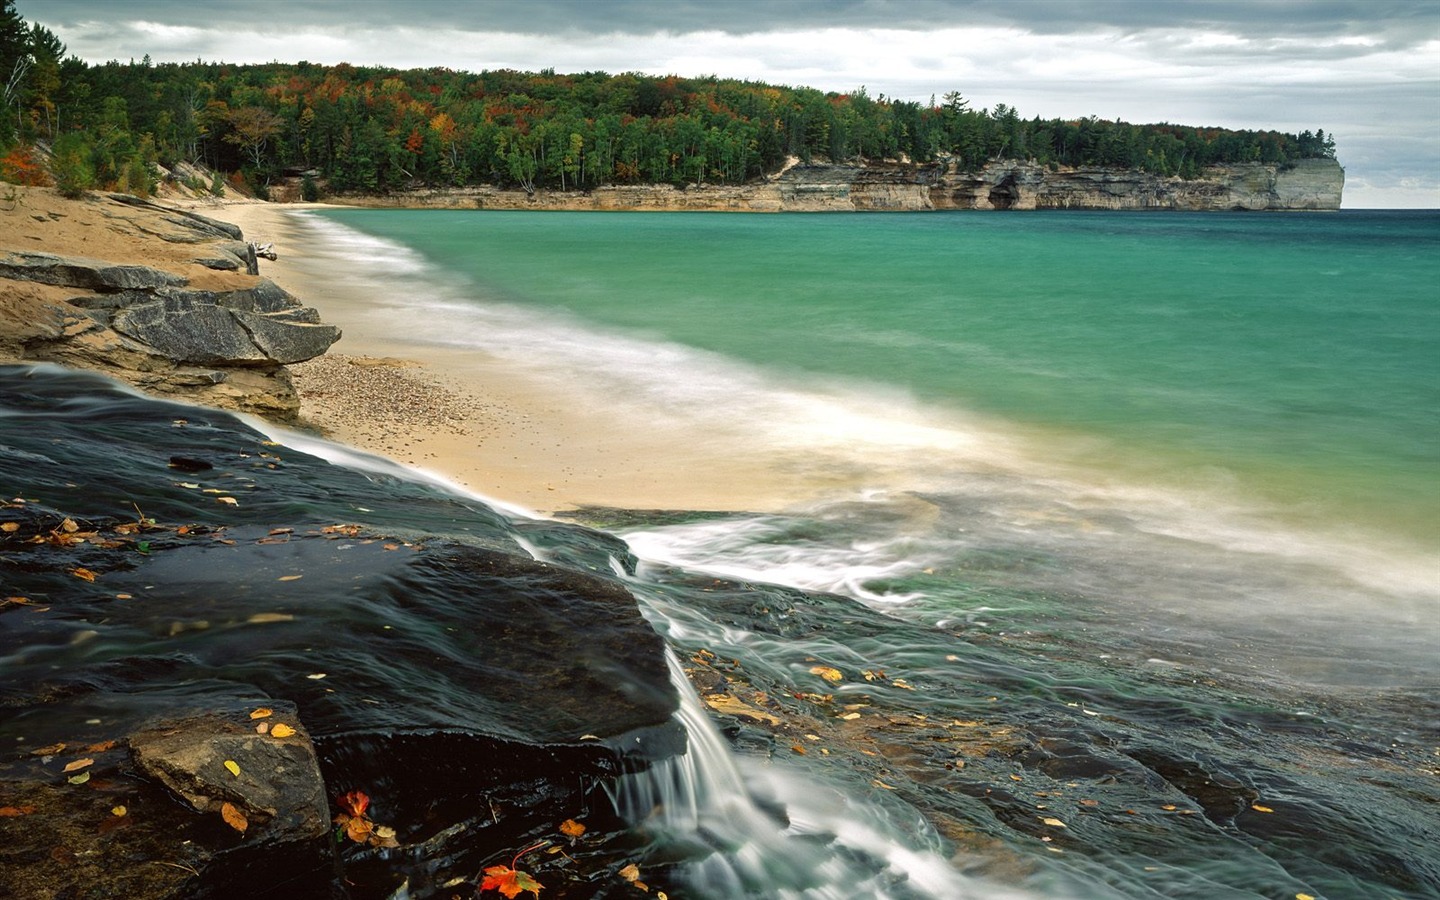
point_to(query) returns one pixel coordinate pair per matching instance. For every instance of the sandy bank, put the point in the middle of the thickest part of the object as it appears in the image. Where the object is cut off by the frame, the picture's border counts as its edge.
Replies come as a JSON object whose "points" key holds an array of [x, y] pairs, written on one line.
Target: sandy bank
{"points": [[489, 426]]}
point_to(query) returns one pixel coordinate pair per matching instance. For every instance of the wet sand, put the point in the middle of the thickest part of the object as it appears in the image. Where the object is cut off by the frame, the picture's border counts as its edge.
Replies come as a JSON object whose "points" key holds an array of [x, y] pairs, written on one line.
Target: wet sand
{"points": [[491, 427]]}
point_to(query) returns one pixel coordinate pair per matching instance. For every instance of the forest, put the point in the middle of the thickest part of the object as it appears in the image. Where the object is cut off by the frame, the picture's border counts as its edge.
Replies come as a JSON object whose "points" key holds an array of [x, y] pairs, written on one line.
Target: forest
{"points": [[349, 128]]}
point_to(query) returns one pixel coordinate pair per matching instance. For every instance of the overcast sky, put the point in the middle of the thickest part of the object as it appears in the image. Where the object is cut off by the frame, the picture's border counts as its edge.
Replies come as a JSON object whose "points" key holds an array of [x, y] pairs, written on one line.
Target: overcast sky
{"points": [[1367, 71]]}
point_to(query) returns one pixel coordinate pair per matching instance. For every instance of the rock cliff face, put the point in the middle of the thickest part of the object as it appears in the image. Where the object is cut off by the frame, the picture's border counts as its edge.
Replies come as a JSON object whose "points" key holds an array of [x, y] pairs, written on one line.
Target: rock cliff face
{"points": [[195, 321], [1314, 184]]}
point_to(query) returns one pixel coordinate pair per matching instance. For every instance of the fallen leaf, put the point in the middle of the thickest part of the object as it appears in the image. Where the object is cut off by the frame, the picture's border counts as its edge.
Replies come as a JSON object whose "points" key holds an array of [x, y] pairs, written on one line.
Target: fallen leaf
{"points": [[11, 812], [849, 716], [291, 577], [630, 872], [263, 712], [79, 779], [101, 747], [510, 882], [358, 828], [275, 531], [392, 546], [316, 677], [234, 817], [1258, 808], [1304, 897], [118, 810], [1053, 822], [83, 573], [68, 526], [49, 751], [124, 596], [281, 730], [571, 828], [383, 836], [262, 728], [832, 675], [269, 618], [9, 527], [79, 764], [355, 802], [233, 766], [880, 784], [229, 501]]}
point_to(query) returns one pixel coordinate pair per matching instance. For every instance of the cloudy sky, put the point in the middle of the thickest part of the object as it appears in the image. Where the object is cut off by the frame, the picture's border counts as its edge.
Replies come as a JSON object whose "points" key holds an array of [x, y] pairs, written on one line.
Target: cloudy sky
{"points": [[1367, 71]]}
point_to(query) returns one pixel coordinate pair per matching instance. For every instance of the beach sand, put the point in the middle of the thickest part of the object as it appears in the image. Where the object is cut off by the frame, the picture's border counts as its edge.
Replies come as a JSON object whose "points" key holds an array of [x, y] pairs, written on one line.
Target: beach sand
{"points": [[490, 427]]}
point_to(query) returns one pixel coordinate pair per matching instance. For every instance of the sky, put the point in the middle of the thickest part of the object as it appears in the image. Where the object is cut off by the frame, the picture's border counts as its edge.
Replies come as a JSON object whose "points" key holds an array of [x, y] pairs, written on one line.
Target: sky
{"points": [[1366, 71]]}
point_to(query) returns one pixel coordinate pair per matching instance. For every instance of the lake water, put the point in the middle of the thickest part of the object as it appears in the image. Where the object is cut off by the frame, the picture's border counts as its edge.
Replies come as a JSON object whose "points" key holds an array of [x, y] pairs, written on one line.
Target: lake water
{"points": [[1156, 492]]}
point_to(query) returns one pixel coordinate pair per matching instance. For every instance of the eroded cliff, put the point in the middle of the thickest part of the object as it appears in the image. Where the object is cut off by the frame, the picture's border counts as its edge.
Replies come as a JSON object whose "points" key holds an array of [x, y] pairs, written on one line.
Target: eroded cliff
{"points": [[1312, 184]]}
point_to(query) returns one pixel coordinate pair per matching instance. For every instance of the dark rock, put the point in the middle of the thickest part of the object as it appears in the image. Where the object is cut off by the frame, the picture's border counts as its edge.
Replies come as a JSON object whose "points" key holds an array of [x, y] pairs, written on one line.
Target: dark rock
{"points": [[278, 786], [191, 331], [79, 272]]}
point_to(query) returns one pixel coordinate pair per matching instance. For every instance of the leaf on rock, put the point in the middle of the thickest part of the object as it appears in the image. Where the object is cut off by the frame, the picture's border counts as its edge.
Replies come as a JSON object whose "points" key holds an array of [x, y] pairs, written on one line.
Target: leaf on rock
{"points": [[281, 730], [84, 573], [830, 674], [291, 577], [1053, 822], [79, 764], [263, 712], [630, 872], [50, 750], [509, 882], [79, 779], [68, 526], [233, 766], [571, 828], [228, 501], [8, 527], [12, 812], [234, 817], [1258, 808], [118, 811], [358, 828]]}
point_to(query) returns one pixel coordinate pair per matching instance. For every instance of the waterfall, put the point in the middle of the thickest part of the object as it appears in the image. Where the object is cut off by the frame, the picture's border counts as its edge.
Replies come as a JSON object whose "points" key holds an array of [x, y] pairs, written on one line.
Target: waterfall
{"points": [[732, 832]]}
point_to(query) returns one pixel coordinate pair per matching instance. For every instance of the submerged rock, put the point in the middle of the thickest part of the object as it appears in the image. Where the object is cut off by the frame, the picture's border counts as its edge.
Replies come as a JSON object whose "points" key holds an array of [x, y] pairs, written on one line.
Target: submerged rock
{"points": [[167, 571]]}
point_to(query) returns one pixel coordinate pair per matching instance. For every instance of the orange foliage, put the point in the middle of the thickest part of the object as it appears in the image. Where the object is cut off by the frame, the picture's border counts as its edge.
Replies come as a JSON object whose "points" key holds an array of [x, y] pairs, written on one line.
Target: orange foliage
{"points": [[20, 166]]}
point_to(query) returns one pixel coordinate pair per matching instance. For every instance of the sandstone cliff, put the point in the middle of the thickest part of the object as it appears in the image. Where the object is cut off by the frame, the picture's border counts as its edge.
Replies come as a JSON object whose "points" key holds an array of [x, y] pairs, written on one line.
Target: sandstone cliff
{"points": [[165, 299], [1313, 184]]}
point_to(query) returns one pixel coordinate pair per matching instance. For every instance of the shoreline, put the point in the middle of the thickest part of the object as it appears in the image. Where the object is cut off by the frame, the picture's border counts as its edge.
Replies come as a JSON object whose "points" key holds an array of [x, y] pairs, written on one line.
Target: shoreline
{"points": [[490, 426]]}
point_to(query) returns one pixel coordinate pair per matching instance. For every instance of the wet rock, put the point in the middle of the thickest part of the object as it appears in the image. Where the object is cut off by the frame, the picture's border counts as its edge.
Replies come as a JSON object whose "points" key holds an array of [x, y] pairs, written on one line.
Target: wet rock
{"points": [[274, 782]]}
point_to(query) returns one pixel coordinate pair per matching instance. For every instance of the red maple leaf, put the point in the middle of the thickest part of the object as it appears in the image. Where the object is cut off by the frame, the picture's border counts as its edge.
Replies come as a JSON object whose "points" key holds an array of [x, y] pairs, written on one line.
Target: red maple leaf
{"points": [[509, 882]]}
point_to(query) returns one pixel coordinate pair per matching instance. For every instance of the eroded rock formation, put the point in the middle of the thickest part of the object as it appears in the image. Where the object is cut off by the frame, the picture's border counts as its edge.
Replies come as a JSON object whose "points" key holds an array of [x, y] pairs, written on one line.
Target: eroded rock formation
{"points": [[195, 320]]}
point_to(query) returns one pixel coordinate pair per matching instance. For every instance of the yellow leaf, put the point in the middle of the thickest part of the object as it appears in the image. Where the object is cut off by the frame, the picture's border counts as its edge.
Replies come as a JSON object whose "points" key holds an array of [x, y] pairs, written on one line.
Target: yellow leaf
{"points": [[228, 501], [832, 675], [1258, 808], [118, 811], [48, 751], [9, 526], [263, 712], [849, 716], [84, 573], [79, 779], [68, 526], [281, 730], [269, 618], [880, 784], [1303, 897], [233, 766], [630, 872], [291, 577], [571, 828], [79, 764], [1053, 822], [124, 596], [234, 817]]}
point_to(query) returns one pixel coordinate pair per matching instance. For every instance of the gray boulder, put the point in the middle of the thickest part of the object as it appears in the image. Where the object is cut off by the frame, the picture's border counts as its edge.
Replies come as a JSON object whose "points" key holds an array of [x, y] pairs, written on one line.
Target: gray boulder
{"points": [[275, 783], [79, 272], [191, 331]]}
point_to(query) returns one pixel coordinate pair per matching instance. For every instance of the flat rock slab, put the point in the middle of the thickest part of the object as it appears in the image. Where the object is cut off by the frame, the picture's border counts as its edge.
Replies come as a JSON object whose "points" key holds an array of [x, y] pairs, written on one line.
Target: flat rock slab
{"points": [[216, 758]]}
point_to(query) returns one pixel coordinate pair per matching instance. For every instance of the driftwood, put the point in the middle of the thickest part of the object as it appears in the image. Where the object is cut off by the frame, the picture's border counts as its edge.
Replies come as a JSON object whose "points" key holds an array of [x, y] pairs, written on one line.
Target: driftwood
{"points": [[265, 250]]}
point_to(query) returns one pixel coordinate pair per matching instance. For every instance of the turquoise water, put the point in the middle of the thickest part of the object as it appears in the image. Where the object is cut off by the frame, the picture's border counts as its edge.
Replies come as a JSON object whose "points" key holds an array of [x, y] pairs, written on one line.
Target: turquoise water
{"points": [[1154, 494], [1295, 356]]}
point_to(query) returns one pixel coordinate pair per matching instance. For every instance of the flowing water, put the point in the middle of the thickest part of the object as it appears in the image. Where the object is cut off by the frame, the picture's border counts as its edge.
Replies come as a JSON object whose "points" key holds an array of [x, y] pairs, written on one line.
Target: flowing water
{"points": [[1149, 499]]}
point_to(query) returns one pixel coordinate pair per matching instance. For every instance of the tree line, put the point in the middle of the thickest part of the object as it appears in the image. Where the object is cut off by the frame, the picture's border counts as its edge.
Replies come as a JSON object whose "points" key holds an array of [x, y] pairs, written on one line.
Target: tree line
{"points": [[376, 129]]}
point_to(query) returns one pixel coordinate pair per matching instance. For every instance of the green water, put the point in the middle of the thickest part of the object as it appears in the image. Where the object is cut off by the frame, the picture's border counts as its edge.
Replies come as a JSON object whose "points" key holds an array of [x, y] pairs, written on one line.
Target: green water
{"points": [[1294, 359]]}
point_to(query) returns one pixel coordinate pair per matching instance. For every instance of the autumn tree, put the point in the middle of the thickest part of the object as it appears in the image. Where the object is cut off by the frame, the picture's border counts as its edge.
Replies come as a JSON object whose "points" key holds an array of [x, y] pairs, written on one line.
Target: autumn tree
{"points": [[252, 128]]}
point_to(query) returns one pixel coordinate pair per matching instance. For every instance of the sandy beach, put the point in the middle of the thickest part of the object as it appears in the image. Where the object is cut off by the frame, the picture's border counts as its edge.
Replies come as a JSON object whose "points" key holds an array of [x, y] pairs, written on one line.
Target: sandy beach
{"points": [[489, 427]]}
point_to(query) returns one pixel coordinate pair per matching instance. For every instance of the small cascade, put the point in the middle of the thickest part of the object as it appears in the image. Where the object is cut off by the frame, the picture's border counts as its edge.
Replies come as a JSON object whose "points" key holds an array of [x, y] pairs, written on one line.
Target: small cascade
{"points": [[799, 839]]}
